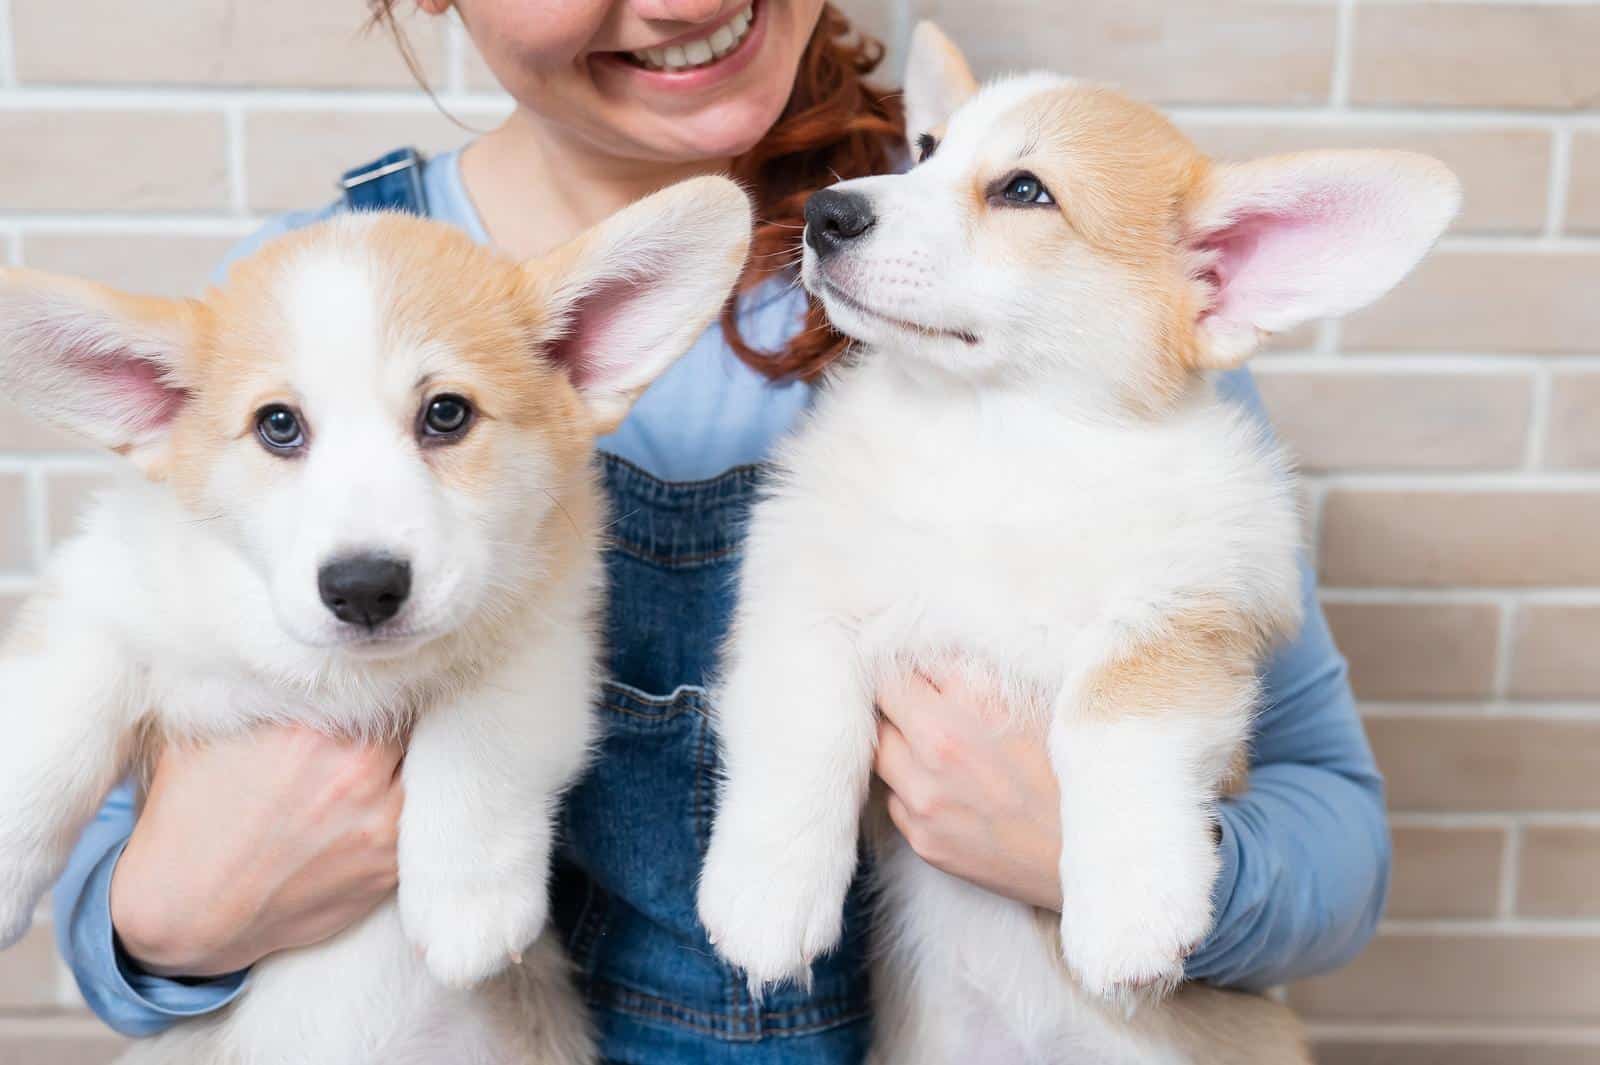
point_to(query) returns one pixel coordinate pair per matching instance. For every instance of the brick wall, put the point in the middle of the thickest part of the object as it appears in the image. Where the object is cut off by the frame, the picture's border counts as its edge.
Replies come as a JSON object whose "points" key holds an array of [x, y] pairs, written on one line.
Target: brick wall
{"points": [[1449, 434]]}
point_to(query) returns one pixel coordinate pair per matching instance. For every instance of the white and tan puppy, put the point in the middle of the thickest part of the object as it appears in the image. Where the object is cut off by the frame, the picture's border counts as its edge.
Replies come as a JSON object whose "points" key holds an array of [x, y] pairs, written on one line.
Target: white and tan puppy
{"points": [[1029, 473], [366, 506]]}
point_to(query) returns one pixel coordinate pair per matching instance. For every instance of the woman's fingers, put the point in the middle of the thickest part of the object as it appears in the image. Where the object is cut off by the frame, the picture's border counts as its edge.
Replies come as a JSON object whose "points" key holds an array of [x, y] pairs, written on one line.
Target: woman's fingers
{"points": [[896, 764], [908, 696]]}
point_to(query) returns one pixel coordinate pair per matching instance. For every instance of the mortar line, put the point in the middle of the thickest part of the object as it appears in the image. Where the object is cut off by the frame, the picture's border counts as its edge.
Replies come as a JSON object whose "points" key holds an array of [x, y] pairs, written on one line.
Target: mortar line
{"points": [[1343, 54], [1560, 180]]}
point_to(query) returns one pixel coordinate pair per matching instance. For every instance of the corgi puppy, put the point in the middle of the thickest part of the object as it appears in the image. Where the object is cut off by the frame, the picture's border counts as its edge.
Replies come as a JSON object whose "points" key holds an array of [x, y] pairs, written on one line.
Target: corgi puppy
{"points": [[1030, 474], [361, 501]]}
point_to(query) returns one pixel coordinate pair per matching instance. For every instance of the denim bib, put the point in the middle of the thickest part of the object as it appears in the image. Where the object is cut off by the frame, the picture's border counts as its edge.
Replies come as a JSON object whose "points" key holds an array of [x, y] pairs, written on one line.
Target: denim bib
{"points": [[636, 827]]}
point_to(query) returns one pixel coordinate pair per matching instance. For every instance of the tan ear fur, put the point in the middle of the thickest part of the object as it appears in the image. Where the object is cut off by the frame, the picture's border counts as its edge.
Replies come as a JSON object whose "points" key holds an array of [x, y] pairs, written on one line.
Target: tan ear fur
{"points": [[103, 364]]}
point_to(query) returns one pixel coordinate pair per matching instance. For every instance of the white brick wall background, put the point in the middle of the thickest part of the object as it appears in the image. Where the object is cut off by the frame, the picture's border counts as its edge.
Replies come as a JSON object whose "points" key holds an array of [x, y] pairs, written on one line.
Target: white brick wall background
{"points": [[1449, 435]]}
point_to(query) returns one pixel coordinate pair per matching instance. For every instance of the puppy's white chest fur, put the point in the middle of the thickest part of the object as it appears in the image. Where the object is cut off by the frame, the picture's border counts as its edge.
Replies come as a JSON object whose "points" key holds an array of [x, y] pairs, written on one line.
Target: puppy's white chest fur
{"points": [[995, 526]]}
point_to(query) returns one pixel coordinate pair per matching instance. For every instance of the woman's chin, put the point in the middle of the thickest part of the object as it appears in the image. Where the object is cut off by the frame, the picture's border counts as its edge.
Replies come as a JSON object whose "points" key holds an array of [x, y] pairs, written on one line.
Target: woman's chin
{"points": [[719, 131]]}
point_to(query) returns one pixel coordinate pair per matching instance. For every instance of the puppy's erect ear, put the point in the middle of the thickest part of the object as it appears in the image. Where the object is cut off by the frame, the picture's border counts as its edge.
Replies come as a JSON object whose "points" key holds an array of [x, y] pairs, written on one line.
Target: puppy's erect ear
{"points": [[635, 292], [938, 80], [1281, 241], [105, 365]]}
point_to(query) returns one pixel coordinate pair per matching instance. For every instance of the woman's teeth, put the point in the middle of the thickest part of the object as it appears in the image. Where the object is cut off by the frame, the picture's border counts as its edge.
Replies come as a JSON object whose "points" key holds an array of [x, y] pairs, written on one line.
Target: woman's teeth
{"points": [[691, 54]]}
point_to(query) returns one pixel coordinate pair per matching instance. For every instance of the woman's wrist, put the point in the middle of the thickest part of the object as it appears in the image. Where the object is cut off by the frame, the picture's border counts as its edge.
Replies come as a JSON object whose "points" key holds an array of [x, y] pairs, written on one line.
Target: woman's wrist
{"points": [[160, 938]]}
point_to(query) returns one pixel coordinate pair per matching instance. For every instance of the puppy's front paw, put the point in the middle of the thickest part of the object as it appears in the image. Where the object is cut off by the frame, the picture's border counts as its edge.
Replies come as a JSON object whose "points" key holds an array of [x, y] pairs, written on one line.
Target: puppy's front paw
{"points": [[1126, 937], [469, 930], [22, 881], [16, 917], [774, 910]]}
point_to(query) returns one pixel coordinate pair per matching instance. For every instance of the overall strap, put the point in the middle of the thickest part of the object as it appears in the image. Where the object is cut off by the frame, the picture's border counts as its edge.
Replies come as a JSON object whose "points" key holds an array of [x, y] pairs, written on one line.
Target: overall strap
{"points": [[390, 183]]}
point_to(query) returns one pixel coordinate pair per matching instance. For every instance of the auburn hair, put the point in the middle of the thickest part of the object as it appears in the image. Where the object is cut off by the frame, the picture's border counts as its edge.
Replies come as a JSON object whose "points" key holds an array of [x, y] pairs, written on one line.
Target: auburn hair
{"points": [[836, 126]]}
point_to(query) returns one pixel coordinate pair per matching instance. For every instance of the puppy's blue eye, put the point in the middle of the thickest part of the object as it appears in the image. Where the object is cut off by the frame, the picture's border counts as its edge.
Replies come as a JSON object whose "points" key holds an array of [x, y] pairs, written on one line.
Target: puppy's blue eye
{"points": [[1025, 188], [279, 429], [446, 416]]}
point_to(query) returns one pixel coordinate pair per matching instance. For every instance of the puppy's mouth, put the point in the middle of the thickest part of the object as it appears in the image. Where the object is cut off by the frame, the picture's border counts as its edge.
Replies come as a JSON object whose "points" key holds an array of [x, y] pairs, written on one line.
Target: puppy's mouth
{"points": [[905, 325]]}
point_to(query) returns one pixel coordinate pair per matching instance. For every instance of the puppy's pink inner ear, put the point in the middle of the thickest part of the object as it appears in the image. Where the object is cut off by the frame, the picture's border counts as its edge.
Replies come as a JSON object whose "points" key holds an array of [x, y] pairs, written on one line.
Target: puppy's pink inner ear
{"points": [[592, 347], [106, 381], [147, 401], [1263, 264]]}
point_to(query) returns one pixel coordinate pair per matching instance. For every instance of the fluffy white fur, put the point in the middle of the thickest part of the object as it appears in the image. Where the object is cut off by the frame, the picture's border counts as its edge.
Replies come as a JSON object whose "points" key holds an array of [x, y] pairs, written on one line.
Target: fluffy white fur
{"points": [[995, 483], [161, 619]]}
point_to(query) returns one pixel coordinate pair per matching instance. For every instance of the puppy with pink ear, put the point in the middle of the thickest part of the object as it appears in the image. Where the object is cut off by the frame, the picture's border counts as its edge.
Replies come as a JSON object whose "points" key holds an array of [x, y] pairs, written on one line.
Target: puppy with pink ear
{"points": [[1029, 474], [361, 500]]}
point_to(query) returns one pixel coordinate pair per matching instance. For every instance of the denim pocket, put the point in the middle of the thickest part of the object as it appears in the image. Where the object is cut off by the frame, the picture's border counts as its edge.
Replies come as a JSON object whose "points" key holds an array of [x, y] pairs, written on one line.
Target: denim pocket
{"points": [[639, 825]]}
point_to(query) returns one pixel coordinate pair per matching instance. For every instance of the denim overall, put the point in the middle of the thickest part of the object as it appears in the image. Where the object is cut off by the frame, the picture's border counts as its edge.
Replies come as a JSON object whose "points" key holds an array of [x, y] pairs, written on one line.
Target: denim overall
{"points": [[635, 829]]}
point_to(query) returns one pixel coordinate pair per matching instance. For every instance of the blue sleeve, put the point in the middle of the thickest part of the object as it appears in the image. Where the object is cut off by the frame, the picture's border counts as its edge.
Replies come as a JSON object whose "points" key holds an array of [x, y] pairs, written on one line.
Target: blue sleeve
{"points": [[125, 997], [1306, 849]]}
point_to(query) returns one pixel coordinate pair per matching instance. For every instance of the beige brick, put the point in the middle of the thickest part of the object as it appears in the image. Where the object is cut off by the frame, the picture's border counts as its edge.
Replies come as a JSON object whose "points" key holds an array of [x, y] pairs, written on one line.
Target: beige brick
{"points": [[113, 161], [300, 43], [1504, 171], [158, 264], [1376, 421], [1574, 441], [16, 554], [1461, 763], [1560, 872], [1204, 51], [1476, 55], [1445, 538], [10, 607], [62, 1040], [28, 971], [293, 158], [877, 19], [1446, 872], [1488, 301], [20, 432], [68, 496], [1583, 191], [1477, 978], [1556, 653], [477, 75], [1416, 650], [1446, 1050]]}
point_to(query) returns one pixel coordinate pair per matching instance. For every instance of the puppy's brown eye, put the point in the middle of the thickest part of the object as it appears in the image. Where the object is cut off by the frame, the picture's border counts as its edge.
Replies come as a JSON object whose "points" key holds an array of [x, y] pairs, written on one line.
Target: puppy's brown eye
{"points": [[927, 144], [279, 429], [1025, 189], [445, 418]]}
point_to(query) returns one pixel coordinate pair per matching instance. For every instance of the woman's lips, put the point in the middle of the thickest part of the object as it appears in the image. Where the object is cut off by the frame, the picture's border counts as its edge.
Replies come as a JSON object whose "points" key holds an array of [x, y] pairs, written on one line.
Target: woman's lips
{"points": [[693, 79]]}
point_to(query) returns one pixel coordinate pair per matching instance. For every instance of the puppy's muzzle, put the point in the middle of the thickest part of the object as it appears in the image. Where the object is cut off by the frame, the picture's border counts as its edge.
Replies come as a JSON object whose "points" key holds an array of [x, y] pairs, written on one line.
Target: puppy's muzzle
{"points": [[836, 219], [365, 590]]}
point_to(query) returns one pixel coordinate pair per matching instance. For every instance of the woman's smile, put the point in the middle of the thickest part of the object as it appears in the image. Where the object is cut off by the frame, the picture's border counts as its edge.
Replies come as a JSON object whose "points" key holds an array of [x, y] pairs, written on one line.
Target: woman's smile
{"points": [[706, 58]]}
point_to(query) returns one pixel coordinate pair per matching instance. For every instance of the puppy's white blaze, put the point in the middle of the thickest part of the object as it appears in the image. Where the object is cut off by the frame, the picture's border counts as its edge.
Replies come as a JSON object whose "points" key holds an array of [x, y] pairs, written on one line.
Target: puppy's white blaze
{"points": [[335, 324]]}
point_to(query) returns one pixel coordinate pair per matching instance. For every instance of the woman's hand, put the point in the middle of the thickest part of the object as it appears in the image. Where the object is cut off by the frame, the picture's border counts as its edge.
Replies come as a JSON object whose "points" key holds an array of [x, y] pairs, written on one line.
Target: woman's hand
{"points": [[973, 794], [273, 839]]}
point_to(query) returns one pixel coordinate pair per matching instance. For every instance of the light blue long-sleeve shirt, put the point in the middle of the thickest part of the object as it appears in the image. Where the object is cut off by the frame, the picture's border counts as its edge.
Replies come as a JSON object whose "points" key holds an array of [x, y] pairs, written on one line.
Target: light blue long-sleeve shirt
{"points": [[1305, 851]]}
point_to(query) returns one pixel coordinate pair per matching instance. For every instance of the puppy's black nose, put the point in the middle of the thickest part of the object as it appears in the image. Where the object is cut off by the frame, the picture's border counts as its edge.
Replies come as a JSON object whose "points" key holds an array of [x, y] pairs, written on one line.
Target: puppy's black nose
{"points": [[834, 219], [365, 589]]}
